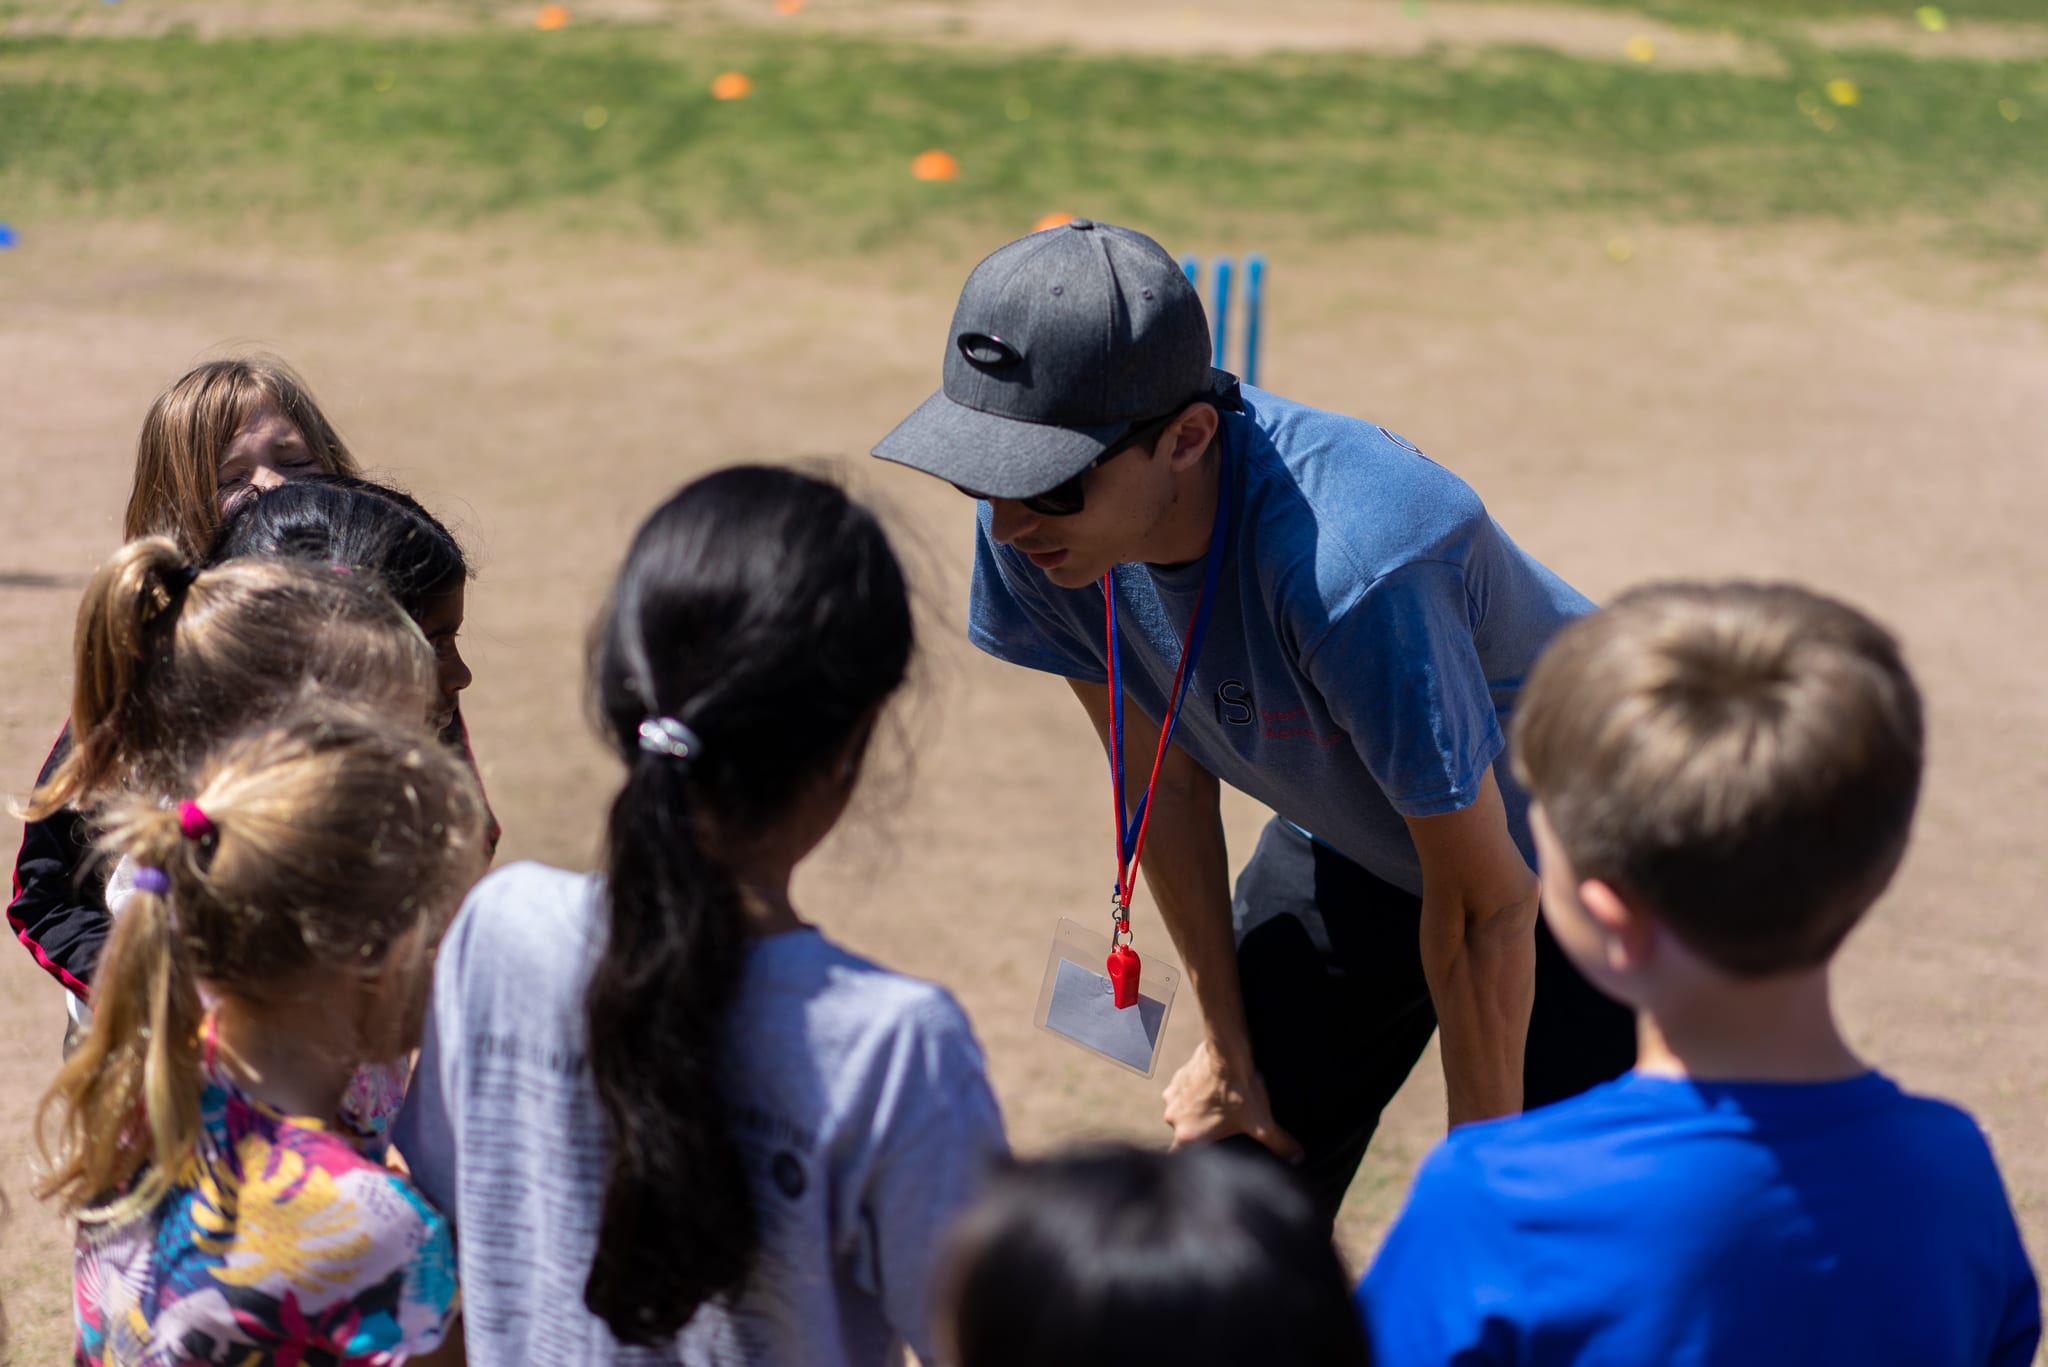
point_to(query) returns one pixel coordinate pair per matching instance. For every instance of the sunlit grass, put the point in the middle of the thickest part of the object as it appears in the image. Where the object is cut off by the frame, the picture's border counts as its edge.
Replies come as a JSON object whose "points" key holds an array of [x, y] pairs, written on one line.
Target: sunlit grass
{"points": [[362, 136]]}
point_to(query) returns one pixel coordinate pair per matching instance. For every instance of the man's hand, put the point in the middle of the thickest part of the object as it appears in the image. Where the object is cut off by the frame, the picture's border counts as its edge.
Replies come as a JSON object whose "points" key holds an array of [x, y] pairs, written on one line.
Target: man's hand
{"points": [[1479, 906], [1206, 1101]]}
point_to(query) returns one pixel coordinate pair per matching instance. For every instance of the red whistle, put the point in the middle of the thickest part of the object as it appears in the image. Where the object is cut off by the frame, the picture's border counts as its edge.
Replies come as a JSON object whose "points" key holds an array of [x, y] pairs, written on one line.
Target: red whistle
{"points": [[1123, 975]]}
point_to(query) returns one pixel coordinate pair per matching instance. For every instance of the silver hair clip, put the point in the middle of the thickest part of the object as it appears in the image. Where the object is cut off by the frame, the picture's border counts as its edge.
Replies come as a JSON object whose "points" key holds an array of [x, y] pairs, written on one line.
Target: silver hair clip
{"points": [[667, 736]]}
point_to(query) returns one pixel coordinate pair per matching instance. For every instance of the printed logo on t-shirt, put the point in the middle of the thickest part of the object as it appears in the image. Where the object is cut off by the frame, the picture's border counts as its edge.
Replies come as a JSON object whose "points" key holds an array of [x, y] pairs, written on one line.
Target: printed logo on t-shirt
{"points": [[1293, 723], [1234, 703], [788, 1172]]}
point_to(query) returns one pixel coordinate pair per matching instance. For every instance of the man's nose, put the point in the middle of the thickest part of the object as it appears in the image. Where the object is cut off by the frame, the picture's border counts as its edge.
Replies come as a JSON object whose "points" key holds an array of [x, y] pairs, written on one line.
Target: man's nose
{"points": [[1009, 519]]}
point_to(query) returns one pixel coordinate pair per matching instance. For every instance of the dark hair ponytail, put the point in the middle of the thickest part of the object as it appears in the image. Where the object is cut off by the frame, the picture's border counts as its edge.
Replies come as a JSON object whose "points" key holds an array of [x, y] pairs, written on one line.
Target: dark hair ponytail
{"points": [[764, 611]]}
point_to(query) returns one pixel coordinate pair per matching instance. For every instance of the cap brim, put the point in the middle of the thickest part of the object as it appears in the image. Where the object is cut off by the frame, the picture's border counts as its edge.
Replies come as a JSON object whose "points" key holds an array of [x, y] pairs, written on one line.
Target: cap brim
{"points": [[998, 456]]}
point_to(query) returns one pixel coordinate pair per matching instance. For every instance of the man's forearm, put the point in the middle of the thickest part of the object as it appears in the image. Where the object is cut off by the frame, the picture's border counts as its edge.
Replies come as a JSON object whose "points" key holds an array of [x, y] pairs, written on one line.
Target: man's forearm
{"points": [[1187, 868], [1482, 977]]}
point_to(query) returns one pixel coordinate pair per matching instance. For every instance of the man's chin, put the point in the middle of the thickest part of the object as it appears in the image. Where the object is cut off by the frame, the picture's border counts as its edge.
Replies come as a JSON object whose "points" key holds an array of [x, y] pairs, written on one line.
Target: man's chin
{"points": [[1069, 574]]}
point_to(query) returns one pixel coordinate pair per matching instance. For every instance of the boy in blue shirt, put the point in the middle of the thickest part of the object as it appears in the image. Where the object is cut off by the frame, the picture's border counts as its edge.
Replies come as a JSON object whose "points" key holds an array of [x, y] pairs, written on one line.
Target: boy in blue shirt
{"points": [[1723, 782]]}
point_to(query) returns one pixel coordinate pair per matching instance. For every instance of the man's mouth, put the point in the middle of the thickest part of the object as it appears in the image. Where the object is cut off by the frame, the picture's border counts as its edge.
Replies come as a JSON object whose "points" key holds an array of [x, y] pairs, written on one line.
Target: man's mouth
{"points": [[1046, 560]]}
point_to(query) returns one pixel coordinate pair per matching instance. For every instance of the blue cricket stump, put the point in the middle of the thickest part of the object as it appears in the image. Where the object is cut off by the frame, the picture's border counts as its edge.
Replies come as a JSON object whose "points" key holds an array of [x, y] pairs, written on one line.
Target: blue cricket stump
{"points": [[1221, 273]]}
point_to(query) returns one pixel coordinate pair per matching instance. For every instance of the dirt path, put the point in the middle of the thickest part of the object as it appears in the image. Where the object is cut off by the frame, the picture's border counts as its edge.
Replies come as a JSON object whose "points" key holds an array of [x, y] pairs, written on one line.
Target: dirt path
{"points": [[1222, 28], [1176, 27], [1721, 404]]}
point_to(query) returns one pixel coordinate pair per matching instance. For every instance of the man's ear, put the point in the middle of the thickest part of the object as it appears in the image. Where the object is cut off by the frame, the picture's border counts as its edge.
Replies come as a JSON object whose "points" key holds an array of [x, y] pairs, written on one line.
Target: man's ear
{"points": [[1628, 936], [1189, 437]]}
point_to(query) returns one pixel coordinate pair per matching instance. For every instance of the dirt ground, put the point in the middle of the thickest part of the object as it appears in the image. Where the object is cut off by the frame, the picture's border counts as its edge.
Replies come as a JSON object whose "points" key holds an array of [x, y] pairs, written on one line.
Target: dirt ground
{"points": [[1185, 27]]}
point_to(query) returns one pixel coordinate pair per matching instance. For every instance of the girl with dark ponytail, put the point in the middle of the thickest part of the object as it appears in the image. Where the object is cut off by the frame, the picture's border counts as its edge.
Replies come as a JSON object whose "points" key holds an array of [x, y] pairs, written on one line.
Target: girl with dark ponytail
{"points": [[671, 1120]]}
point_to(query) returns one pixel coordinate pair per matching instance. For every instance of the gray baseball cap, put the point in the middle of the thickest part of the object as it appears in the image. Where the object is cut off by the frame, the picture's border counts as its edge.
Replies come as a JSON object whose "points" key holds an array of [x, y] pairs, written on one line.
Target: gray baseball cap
{"points": [[1060, 341]]}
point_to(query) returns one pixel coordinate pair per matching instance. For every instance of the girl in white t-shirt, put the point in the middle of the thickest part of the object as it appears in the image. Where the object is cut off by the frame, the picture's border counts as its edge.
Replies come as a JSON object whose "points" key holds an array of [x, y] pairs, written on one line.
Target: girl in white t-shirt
{"points": [[673, 1122]]}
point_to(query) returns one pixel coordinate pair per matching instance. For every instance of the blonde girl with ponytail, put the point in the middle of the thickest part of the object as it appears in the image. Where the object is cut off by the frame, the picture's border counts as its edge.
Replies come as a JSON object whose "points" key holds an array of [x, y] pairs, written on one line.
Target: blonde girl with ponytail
{"points": [[221, 432], [170, 659], [282, 932]]}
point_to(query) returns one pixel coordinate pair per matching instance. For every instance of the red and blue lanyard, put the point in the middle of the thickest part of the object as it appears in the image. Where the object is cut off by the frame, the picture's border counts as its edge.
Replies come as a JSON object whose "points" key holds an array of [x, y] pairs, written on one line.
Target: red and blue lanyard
{"points": [[1131, 827]]}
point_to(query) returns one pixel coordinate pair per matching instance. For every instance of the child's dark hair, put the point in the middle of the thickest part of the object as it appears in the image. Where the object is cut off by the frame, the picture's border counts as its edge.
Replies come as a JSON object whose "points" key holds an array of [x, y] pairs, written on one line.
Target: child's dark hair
{"points": [[318, 845], [340, 520], [759, 622], [1122, 1257]]}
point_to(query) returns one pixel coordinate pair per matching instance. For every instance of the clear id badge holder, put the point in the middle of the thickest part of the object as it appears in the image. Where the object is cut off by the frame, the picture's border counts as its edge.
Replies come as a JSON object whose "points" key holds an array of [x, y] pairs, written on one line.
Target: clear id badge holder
{"points": [[1078, 1000]]}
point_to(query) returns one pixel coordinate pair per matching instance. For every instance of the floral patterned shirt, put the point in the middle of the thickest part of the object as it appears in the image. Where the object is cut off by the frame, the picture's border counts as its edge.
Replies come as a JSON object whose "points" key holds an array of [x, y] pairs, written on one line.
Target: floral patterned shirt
{"points": [[283, 1240]]}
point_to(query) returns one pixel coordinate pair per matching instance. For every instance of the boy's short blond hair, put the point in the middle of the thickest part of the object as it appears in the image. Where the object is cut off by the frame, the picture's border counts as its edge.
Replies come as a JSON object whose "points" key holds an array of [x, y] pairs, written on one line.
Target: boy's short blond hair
{"points": [[1740, 760]]}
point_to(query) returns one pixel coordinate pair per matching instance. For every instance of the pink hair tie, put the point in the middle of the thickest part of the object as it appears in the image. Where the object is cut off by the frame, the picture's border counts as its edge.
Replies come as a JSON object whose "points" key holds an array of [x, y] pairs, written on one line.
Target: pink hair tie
{"points": [[196, 825]]}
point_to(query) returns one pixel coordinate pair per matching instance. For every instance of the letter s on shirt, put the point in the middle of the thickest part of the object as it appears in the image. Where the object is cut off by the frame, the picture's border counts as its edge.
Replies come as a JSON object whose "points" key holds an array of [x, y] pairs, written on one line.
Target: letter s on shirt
{"points": [[1234, 703]]}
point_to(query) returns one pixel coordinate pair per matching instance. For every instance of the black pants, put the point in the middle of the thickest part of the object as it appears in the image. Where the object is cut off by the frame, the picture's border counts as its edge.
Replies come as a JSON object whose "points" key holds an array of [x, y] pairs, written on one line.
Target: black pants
{"points": [[1330, 961]]}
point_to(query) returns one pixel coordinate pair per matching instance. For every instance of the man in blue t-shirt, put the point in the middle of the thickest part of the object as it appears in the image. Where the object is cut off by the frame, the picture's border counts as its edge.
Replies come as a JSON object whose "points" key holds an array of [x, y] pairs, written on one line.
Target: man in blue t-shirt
{"points": [[1366, 636], [1724, 780]]}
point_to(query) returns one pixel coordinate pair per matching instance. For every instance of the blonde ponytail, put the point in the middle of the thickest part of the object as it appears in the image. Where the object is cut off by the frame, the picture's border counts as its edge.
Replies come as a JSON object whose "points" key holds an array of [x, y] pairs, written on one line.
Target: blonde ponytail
{"points": [[326, 843], [128, 1100], [132, 600]]}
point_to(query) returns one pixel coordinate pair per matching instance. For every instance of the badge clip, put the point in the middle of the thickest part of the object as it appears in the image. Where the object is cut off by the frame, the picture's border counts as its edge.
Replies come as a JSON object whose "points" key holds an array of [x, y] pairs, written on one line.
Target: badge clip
{"points": [[1108, 1013]]}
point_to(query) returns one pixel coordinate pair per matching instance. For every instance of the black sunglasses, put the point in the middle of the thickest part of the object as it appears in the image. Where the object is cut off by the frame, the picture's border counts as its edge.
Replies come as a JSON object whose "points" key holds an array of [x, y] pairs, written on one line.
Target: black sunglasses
{"points": [[1068, 496]]}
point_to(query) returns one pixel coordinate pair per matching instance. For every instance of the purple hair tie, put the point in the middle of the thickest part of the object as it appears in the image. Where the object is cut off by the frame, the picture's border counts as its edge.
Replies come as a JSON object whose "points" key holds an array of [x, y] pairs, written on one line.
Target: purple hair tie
{"points": [[196, 825], [153, 881]]}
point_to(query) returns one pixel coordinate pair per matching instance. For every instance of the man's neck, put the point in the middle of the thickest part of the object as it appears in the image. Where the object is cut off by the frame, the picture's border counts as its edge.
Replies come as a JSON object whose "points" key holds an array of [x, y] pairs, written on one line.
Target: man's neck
{"points": [[1182, 533], [1776, 1029]]}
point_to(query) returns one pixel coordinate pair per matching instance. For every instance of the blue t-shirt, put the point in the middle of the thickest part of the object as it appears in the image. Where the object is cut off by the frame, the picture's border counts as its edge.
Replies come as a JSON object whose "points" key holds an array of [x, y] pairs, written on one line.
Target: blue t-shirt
{"points": [[1371, 630], [1661, 1220]]}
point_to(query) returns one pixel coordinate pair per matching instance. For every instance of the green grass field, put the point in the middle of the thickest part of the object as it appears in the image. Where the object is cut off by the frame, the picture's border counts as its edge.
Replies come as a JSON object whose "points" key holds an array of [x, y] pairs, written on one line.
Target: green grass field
{"points": [[615, 127]]}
